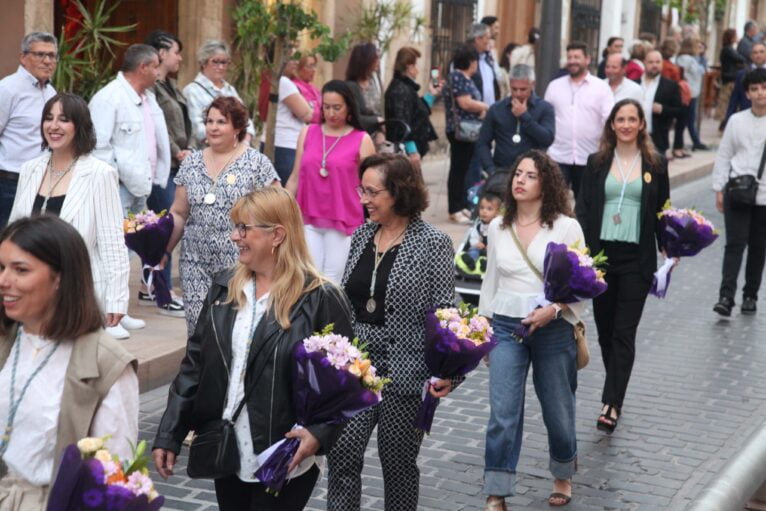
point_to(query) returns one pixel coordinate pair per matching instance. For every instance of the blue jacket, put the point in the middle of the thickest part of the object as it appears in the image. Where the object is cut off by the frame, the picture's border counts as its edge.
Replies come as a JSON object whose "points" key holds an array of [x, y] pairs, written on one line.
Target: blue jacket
{"points": [[738, 100], [537, 130]]}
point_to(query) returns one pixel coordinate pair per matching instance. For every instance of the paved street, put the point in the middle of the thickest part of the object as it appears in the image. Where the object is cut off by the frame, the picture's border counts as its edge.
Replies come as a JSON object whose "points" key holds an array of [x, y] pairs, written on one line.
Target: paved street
{"points": [[697, 392]]}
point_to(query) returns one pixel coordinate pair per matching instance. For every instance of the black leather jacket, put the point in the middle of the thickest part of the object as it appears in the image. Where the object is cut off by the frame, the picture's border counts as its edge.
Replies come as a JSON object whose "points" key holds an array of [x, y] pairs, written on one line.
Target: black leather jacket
{"points": [[198, 393]]}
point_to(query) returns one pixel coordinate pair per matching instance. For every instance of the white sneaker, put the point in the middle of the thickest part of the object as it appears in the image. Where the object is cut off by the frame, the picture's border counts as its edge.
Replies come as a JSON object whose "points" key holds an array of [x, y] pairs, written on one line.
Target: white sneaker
{"points": [[117, 332], [130, 323]]}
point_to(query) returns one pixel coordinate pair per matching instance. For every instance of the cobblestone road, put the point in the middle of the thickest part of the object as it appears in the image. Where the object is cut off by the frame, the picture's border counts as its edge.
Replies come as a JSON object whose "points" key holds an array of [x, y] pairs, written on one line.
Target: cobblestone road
{"points": [[697, 392]]}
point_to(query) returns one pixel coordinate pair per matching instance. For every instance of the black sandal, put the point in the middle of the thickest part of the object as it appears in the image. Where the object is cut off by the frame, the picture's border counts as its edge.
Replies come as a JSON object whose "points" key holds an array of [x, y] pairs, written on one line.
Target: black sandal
{"points": [[606, 422]]}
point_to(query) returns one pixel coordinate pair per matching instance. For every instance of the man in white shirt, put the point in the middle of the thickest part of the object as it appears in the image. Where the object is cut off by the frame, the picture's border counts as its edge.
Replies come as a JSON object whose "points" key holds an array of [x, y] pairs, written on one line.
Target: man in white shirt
{"points": [[743, 153], [132, 136], [582, 103], [22, 98], [622, 87]]}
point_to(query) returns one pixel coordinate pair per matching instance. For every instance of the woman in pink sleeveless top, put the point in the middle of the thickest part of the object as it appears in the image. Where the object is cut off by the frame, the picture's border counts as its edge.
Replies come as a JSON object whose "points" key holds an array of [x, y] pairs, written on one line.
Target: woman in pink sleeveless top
{"points": [[325, 177]]}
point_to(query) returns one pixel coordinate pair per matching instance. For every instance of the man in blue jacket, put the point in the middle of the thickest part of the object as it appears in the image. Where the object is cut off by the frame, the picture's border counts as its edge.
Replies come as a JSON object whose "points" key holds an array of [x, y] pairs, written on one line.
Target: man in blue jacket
{"points": [[738, 100], [516, 124]]}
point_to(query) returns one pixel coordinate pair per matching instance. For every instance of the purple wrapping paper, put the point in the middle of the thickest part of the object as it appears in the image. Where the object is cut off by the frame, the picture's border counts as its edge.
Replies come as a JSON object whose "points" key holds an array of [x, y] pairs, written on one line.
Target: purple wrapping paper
{"points": [[321, 395], [79, 486], [150, 243], [680, 237], [446, 356]]}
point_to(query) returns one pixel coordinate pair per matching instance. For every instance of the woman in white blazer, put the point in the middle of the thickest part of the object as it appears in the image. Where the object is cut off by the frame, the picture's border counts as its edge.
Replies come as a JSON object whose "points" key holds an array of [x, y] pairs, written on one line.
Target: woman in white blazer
{"points": [[70, 183]]}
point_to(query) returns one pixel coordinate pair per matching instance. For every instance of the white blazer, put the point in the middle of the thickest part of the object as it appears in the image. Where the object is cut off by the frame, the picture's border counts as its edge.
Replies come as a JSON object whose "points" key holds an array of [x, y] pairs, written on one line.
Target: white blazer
{"points": [[92, 206]]}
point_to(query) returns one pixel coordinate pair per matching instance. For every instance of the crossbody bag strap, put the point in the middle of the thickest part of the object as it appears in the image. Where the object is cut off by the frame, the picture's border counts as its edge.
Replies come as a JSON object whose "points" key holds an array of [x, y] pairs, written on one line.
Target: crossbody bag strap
{"points": [[524, 254], [205, 89], [763, 162]]}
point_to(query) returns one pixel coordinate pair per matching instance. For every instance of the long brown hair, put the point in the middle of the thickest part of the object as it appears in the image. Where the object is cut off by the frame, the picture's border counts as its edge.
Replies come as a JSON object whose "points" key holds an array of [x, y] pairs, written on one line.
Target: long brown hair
{"points": [[295, 273], [609, 138], [552, 185]]}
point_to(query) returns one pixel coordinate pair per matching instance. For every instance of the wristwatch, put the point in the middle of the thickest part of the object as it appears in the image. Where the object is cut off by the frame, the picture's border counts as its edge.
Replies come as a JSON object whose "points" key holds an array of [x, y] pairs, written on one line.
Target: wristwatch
{"points": [[558, 309]]}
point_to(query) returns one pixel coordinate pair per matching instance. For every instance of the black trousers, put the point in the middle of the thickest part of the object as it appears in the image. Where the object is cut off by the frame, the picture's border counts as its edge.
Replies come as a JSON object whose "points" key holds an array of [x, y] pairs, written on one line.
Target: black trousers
{"points": [[661, 138], [234, 494], [617, 313], [572, 175], [744, 228], [460, 154]]}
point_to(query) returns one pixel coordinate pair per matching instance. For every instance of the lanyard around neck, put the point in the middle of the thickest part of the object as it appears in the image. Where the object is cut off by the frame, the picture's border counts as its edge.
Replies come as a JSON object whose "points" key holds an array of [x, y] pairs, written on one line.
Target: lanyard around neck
{"points": [[624, 175]]}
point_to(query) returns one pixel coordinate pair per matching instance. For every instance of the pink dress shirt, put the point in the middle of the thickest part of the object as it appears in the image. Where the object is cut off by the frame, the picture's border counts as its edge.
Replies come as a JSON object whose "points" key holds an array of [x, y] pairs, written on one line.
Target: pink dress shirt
{"points": [[581, 112]]}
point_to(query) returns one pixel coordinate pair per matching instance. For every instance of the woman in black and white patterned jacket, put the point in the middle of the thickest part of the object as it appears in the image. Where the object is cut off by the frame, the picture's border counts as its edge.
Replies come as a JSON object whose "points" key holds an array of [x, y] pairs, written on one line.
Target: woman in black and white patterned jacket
{"points": [[398, 267]]}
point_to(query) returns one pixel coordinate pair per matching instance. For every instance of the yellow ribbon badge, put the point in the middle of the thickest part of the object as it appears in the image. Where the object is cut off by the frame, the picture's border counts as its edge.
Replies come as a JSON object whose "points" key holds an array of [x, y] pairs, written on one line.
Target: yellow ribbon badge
{"points": [[647, 177]]}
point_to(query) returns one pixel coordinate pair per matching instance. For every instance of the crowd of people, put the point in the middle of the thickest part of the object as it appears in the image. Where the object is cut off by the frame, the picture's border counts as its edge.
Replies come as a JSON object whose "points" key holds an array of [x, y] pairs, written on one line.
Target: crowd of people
{"points": [[331, 232]]}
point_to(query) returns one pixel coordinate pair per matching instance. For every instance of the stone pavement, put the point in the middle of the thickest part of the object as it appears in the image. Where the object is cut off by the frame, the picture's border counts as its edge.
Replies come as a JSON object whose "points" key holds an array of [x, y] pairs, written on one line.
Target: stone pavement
{"points": [[698, 390]]}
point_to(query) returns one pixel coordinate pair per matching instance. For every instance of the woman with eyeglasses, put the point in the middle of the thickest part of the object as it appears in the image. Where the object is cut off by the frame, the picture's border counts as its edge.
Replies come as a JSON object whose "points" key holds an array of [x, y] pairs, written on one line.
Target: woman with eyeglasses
{"points": [[325, 177], [208, 184], [273, 299], [214, 59], [398, 268]]}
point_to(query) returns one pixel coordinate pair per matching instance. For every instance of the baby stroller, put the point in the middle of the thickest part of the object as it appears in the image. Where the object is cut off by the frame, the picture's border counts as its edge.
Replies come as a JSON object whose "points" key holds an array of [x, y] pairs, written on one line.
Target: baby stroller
{"points": [[468, 283], [396, 133]]}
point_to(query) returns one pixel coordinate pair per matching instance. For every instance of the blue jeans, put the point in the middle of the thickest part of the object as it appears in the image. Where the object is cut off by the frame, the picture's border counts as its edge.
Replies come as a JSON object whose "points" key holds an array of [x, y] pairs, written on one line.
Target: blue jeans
{"points": [[552, 353], [284, 159], [159, 199], [692, 121], [7, 196]]}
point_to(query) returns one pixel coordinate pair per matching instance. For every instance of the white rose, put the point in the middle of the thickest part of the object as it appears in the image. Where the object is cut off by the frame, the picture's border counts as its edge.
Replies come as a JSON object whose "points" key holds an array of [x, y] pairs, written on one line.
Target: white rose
{"points": [[89, 445], [102, 455]]}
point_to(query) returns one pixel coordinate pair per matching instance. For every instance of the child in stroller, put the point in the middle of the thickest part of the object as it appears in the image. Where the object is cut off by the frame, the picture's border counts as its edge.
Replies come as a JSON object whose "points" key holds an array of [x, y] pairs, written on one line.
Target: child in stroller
{"points": [[472, 257]]}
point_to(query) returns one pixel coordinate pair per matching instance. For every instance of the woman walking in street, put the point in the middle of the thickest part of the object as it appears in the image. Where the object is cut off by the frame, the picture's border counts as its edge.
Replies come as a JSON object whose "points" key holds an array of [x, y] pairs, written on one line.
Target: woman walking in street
{"points": [[273, 299], [398, 268], [208, 184], [537, 212], [624, 186]]}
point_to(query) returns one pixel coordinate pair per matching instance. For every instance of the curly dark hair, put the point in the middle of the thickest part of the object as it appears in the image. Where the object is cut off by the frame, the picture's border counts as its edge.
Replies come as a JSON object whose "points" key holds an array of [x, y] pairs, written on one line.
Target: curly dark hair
{"points": [[609, 139], [402, 180], [555, 192]]}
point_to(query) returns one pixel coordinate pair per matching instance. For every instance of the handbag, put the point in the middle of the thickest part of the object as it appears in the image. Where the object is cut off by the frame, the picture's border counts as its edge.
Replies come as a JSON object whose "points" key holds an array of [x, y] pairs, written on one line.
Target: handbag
{"points": [[466, 130], [742, 190], [581, 340]]}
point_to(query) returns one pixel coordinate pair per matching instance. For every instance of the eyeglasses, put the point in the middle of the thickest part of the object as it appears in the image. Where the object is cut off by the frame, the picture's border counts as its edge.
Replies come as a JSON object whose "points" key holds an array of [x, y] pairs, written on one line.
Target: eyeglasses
{"points": [[368, 192], [242, 228], [222, 63], [42, 55]]}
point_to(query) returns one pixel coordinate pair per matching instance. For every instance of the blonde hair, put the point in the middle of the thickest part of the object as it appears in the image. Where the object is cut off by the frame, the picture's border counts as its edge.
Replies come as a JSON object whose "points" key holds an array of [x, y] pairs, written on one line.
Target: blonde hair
{"points": [[294, 273]]}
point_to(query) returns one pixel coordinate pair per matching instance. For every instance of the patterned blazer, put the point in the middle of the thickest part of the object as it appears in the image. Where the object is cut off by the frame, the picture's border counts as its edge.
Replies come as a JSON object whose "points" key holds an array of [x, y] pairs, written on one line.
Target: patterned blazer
{"points": [[422, 277]]}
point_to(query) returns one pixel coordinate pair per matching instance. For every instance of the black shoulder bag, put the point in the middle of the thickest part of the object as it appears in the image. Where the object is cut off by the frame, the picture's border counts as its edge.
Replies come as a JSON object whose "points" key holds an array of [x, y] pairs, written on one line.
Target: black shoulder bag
{"points": [[742, 190]]}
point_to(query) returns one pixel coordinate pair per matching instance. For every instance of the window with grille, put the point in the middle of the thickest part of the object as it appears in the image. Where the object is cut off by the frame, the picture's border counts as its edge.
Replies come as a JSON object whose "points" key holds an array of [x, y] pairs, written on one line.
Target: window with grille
{"points": [[450, 21]]}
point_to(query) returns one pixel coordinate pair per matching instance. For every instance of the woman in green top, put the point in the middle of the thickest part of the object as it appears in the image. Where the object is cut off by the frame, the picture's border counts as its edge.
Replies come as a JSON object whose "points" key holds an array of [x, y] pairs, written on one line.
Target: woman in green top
{"points": [[624, 186]]}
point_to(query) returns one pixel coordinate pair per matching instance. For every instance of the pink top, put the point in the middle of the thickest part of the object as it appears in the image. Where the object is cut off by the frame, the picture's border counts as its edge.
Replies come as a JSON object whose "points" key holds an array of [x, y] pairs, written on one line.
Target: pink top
{"points": [[332, 201], [314, 98], [581, 111]]}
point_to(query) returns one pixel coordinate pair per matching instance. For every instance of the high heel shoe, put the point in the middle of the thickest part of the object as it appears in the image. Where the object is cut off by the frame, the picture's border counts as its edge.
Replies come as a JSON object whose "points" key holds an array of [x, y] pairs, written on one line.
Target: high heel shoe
{"points": [[495, 504], [606, 422]]}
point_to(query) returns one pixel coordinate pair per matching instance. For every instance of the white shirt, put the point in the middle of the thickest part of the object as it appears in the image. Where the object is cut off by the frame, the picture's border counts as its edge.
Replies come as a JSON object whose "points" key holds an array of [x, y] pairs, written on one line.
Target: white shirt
{"points": [[199, 94], [649, 89], [21, 110], [31, 450], [693, 73], [487, 80], [627, 89], [288, 127], [510, 287], [740, 151], [120, 139]]}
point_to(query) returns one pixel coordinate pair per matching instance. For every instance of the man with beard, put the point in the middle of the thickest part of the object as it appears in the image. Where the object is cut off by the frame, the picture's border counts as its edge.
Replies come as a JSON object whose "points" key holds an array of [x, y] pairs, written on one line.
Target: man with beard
{"points": [[661, 101], [582, 104]]}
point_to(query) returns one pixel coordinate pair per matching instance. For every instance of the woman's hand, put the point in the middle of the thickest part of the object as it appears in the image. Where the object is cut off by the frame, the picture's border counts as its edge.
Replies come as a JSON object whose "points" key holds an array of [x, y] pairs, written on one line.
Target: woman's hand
{"points": [[308, 447], [164, 461], [539, 317], [414, 158], [435, 90], [719, 201], [112, 318], [440, 388]]}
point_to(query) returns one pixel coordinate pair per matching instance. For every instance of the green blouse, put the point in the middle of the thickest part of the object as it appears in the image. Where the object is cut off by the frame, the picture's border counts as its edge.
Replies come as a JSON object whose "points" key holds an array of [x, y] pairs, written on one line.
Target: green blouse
{"points": [[629, 227]]}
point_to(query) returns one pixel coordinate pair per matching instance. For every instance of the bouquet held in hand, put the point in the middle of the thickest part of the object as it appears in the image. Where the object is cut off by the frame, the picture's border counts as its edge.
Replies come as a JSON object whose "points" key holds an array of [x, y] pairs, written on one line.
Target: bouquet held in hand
{"points": [[333, 380], [456, 341], [683, 233], [92, 479], [147, 234], [570, 275]]}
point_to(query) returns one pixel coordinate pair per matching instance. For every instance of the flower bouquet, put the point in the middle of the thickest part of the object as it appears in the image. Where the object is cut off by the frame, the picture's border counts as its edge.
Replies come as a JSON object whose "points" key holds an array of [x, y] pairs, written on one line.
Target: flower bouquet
{"points": [[683, 233], [147, 234], [92, 479], [570, 274], [456, 341], [333, 380]]}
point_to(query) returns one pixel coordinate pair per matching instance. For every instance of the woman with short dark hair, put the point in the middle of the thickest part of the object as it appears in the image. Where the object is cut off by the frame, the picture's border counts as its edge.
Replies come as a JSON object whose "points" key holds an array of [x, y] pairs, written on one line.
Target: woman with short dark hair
{"points": [[63, 378], [398, 268], [208, 185], [80, 189]]}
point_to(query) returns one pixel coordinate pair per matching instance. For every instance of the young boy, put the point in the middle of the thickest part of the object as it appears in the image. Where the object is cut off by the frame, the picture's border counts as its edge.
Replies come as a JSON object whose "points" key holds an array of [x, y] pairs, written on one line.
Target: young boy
{"points": [[472, 260]]}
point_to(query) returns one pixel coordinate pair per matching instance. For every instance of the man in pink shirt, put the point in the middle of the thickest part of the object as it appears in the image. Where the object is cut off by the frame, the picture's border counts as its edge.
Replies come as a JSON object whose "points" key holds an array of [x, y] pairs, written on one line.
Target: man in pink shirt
{"points": [[582, 104]]}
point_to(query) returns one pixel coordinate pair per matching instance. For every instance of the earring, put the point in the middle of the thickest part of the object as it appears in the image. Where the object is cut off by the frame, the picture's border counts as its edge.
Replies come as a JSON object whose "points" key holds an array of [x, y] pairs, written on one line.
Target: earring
{"points": [[272, 250]]}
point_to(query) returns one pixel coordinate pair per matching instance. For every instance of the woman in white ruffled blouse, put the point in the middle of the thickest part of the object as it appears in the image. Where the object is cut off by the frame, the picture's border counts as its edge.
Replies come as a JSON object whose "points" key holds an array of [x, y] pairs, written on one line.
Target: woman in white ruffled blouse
{"points": [[62, 377]]}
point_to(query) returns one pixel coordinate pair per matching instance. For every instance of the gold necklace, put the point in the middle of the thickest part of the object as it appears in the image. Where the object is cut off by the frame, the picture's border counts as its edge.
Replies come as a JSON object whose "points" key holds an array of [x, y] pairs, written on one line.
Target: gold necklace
{"points": [[528, 224], [371, 304], [210, 196], [60, 175]]}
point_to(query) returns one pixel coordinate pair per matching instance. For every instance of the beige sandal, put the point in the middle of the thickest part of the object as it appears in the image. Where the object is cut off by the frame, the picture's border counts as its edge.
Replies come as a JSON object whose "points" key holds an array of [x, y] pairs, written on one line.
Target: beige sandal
{"points": [[495, 504]]}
